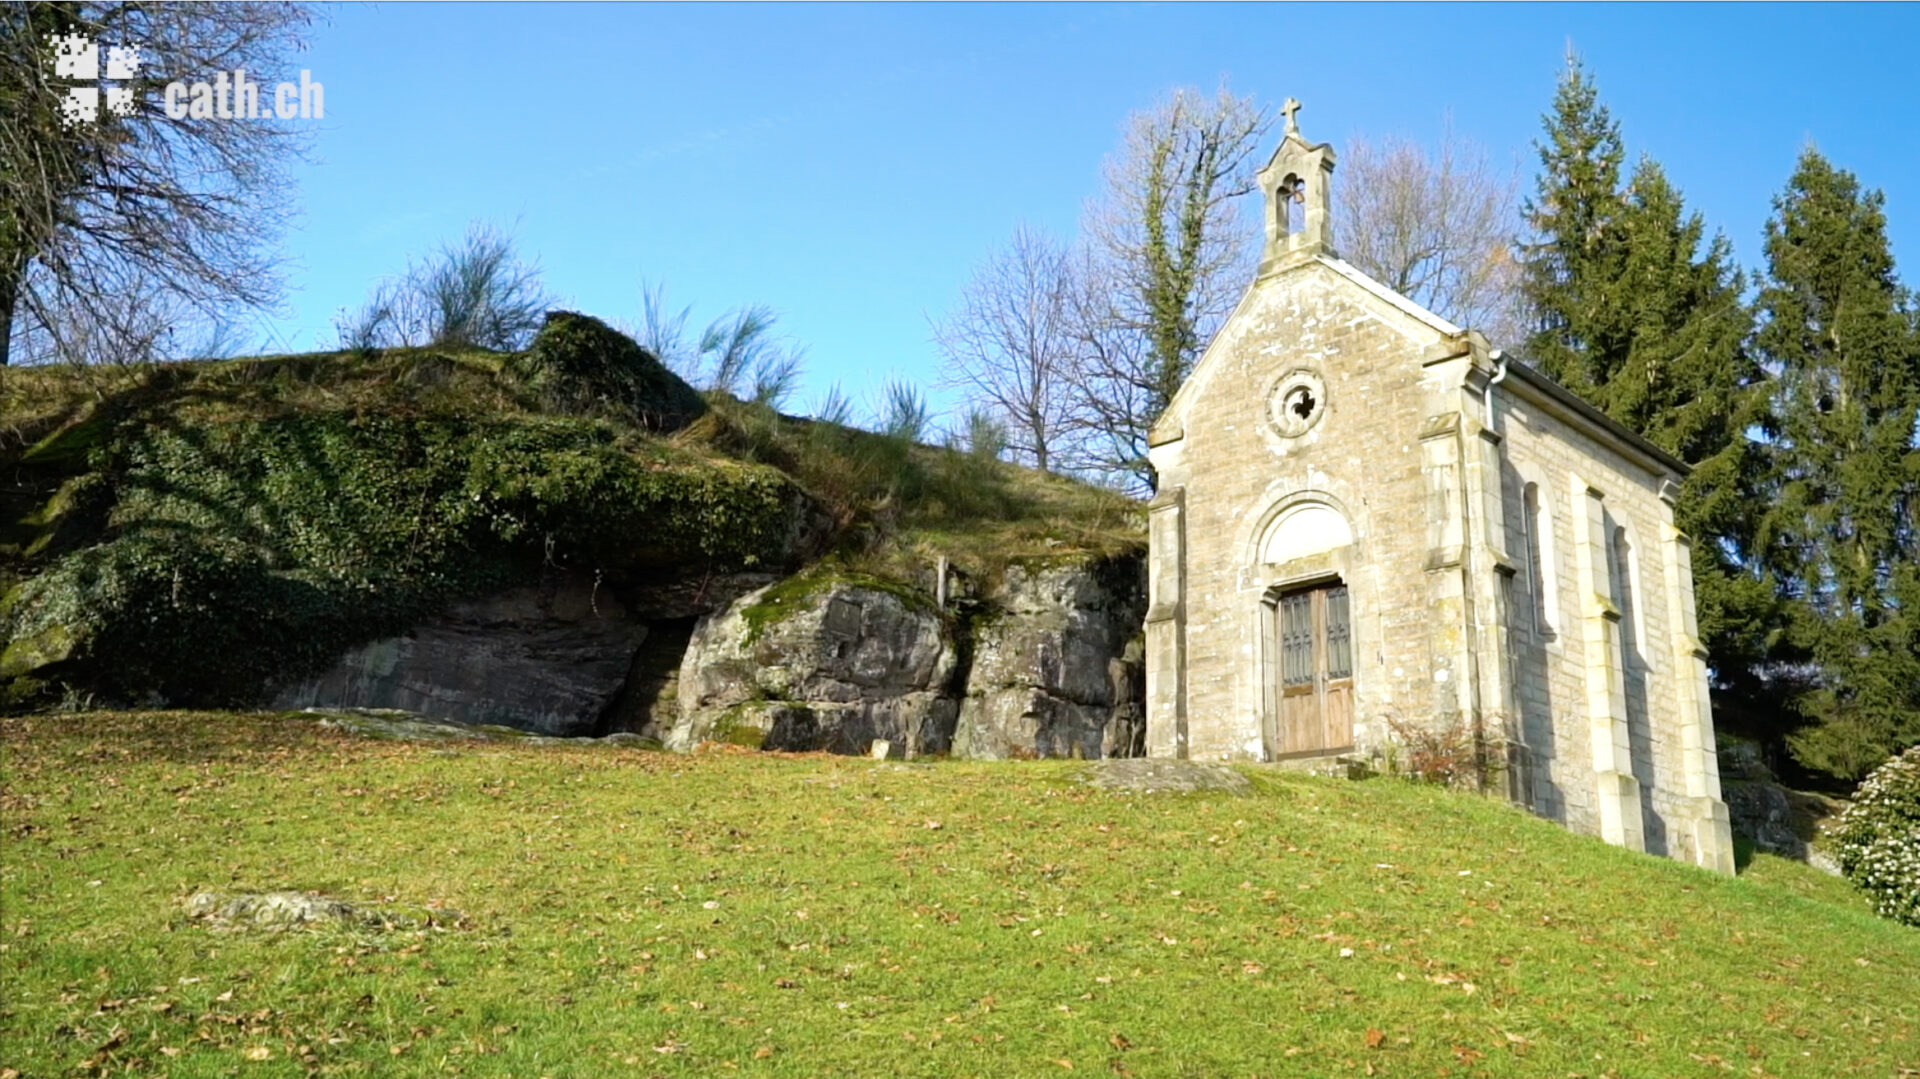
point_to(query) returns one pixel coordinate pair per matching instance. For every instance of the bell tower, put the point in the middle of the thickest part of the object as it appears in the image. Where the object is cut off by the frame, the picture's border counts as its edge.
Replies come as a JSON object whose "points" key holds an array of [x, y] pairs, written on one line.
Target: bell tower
{"points": [[1297, 184]]}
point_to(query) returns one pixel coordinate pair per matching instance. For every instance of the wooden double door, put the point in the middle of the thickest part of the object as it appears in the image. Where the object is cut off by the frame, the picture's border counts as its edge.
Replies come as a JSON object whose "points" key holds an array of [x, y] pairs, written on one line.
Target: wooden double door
{"points": [[1309, 671]]}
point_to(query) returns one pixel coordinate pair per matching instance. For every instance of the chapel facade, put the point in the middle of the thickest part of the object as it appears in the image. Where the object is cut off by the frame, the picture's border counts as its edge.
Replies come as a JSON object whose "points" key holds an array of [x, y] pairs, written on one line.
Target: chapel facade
{"points": [[1370, 522]]}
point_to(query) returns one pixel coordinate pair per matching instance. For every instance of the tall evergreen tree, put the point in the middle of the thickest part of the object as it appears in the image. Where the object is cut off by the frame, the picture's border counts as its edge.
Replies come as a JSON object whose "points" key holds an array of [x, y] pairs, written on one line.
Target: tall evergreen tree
{"points": [[1678, 370], [1640, 314], [1574, 214], [1840, 333]]}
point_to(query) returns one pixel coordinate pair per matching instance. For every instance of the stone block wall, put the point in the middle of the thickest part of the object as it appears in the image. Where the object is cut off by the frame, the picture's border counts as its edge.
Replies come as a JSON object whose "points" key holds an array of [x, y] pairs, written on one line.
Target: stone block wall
{"points": [[1587, 491], [1231, 474], [1420, 456]]}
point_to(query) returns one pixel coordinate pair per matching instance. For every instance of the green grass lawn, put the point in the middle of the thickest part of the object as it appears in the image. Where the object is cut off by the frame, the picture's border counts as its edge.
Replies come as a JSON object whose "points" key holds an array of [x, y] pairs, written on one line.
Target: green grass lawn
{"points": [[630, 913]]}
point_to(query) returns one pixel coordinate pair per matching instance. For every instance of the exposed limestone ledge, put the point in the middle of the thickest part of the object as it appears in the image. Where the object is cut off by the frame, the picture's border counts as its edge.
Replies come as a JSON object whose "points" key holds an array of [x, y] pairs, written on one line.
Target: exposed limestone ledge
{"points": [[1165, 775], [543, 659]]}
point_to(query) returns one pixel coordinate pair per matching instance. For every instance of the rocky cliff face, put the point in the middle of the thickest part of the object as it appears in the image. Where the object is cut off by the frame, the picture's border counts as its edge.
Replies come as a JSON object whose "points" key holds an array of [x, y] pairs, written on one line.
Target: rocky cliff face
{"points": [[568, 657], [1047, 664], [1057, 669], [1773, 817], [545, 659], [815, 663]]}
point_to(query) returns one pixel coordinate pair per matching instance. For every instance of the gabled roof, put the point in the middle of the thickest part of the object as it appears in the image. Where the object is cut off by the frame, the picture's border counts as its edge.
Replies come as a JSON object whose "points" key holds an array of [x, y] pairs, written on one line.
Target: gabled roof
{"points": [[1339, 266], [1577, 408], [1353, 273]]}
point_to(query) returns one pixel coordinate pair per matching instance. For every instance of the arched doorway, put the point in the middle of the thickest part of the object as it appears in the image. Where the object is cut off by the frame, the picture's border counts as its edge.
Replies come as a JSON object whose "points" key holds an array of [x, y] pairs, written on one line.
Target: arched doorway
{"points": [[1308, 635]]}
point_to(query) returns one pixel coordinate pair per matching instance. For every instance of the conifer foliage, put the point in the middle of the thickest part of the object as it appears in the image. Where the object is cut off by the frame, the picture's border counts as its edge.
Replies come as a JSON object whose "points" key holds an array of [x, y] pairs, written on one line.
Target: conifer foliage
{"points": [[1843, 529], [1574, 217], [1640, 313]]}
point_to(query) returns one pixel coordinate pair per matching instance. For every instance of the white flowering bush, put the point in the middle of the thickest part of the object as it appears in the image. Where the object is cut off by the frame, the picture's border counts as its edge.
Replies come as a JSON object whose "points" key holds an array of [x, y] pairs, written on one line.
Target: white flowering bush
{"points": [[1878, 838]]}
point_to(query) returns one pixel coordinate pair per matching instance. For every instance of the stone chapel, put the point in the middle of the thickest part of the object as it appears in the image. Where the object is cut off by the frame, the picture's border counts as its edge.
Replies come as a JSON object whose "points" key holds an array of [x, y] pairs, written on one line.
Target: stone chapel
{"points": [[1369, 518]]}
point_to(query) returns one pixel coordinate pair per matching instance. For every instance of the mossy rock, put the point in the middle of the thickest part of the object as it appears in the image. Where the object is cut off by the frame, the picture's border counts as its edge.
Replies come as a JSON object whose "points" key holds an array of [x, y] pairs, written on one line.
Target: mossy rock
{"points": [[745, 725], [578, 362], [50, 645], [69, 446], [786, 598], [226, 555], [75, 512]]}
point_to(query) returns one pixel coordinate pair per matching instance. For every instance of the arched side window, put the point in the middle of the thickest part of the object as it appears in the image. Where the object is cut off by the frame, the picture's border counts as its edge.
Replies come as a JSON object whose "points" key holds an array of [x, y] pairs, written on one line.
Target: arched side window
{"points": [[1623, 565], [1542, 581]]}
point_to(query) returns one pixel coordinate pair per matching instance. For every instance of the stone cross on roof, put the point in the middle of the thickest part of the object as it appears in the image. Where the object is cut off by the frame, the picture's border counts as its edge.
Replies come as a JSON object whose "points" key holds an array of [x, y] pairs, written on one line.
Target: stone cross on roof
{"points": [[1292, 106]]}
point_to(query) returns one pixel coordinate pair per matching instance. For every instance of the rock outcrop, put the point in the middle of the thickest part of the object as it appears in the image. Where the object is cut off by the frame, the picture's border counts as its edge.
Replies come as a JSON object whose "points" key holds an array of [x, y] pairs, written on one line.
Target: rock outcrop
{"points": [[548, 659], [819, 662], [1162, 775], [1772, 817], [1048, 665], [1057, 668], [392, 725], [301, 910]]}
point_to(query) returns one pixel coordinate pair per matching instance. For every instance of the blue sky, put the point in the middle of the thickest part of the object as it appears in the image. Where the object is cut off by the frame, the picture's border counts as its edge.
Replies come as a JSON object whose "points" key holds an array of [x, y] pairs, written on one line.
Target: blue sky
{"points": [[849, 165]]}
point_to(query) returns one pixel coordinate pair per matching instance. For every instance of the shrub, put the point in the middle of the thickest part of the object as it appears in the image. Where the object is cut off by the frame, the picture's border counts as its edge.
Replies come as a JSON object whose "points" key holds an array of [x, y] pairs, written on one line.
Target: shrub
{"points": [[1450, 754], [480, 295], [474, 294], [737, 354], [1878, 838]]}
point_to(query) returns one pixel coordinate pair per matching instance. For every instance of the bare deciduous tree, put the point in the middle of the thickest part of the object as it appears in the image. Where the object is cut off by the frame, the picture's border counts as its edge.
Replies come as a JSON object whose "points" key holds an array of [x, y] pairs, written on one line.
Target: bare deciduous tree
{"points": [[394, 314], [1116, 388], [180, 209], [1172, 247], [1437, 228], [131, 325], [1009, 344]]}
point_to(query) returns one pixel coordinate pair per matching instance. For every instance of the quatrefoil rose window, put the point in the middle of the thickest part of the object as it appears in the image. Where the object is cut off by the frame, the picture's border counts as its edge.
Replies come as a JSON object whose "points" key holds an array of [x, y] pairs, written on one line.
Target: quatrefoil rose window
{"points": [[1297, 402]]}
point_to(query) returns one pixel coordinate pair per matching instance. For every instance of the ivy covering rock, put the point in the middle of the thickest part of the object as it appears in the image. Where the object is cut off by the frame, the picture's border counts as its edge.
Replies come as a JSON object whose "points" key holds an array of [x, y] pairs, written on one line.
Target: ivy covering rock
{"points": [[215, 528], [526, 539], [579, 363]]}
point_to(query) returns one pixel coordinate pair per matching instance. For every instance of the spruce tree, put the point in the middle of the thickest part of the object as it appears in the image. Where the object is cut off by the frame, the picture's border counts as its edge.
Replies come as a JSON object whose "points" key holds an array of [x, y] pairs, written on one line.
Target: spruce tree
{"points": [[1640, 314], [1575, 256], [1680, 373], [1840, 333]]}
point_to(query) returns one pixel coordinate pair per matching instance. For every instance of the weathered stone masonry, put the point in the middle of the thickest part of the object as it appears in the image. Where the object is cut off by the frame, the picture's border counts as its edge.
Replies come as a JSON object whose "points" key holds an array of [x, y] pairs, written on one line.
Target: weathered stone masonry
{"points": [[1368, 517]]}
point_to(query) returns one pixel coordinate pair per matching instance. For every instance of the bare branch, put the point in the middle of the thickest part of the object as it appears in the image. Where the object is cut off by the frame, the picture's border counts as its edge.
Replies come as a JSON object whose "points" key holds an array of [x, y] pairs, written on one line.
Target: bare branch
{"points": [[1009, 342], [1114, 382], [1436, 228], [1170, 247], [181, 210]]}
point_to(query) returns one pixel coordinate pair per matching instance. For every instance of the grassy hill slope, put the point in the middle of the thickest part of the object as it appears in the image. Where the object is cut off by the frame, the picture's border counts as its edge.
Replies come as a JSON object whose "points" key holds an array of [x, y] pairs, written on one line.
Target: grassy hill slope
{"points": [[628, 913]]}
